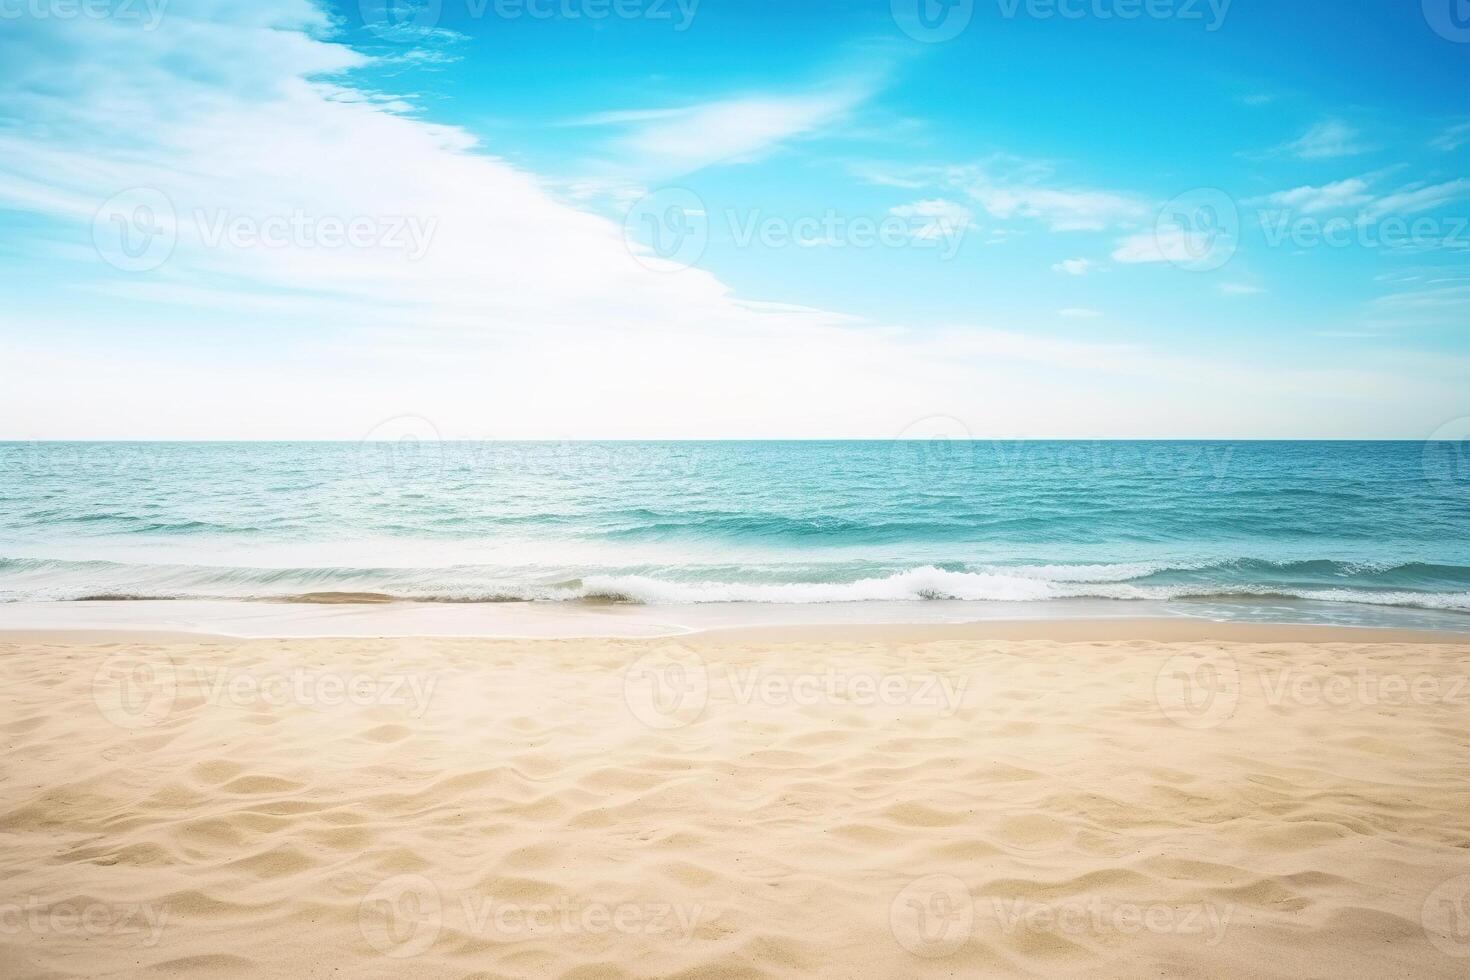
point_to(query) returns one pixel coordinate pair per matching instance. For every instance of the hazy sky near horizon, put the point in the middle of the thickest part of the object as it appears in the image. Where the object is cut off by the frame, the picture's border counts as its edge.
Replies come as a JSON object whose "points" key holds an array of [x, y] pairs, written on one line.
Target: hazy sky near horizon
{"points": [[734, 218]]}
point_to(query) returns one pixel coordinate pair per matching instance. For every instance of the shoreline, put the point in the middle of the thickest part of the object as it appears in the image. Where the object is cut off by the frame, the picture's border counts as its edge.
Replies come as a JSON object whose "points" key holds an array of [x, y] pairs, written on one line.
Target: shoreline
{"points": [[1076, 618], [1115, 630]]}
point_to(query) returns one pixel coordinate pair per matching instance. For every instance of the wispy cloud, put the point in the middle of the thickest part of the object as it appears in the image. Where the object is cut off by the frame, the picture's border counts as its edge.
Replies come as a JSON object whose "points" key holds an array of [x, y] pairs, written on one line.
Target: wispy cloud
{"points": [[1164, 245], [1452, 138], [1061, 208], [1328, 197], [1356, 195], [1013, 189], [1324, 140], [1239, 289], [935, 218], [1074, 267], [670, 141], [1417, 198], [1435, 306]]}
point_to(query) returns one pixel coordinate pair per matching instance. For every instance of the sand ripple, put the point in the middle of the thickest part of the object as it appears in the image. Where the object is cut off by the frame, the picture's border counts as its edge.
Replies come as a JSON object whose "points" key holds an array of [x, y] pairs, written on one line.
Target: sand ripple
{"points": [[727, 808]]}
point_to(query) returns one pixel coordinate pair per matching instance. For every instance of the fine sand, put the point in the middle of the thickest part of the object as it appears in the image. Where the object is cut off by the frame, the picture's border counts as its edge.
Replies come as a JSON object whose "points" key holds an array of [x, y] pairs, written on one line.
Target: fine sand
{"points": [[1126, 800]]}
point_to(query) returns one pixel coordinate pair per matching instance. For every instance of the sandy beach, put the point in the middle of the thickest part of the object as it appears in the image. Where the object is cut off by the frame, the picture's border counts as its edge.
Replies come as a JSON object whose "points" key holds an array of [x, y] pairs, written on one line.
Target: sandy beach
{"points": [[1109, 800]]}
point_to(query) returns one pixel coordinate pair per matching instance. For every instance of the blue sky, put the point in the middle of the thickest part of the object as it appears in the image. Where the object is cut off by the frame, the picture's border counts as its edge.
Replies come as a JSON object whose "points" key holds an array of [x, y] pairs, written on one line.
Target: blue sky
{"points": [[1092, 218]]}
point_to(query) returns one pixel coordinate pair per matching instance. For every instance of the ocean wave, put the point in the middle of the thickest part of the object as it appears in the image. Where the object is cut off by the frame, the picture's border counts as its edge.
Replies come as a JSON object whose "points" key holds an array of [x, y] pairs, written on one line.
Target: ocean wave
{"points": [[1382, 583]]}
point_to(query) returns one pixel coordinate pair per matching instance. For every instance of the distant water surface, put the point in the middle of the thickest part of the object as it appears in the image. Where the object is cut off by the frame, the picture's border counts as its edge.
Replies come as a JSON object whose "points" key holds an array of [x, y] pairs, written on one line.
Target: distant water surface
{"points": [[1363, 523]]}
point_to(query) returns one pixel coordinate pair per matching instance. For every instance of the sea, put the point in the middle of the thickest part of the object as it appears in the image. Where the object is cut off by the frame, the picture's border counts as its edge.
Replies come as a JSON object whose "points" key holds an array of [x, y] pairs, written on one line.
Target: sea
{"points": [[1345, 531]]}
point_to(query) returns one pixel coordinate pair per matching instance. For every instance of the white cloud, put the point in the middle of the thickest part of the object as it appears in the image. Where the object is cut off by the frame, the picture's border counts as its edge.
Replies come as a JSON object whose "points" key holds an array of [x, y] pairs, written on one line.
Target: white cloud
{"points": [[1074, 267], [664, 142], [1165, 245], [1010, 188], [1079, 313], [1325, 140], [1355, 194], [1416, 198], [934, 218], [1061, 209], [1329, 197], [1422, 307], [1452, 138], [1239, 289]]}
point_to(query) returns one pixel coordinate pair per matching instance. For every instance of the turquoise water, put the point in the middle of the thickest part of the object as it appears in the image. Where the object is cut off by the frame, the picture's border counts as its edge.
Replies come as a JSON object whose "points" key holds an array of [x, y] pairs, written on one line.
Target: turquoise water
{"points": [[1383, 523]]}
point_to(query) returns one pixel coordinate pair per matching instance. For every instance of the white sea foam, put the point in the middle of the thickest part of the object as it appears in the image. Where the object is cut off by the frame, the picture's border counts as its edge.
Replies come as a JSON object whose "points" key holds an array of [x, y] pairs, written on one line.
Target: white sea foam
{"points": [[918, 583], [31, 579]]}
